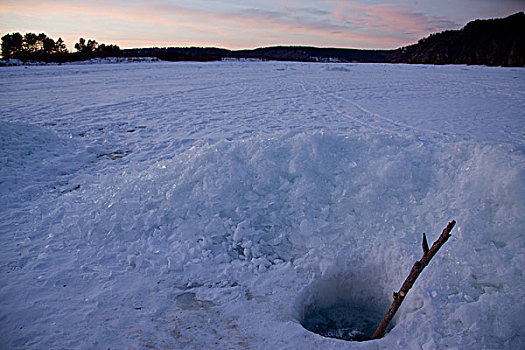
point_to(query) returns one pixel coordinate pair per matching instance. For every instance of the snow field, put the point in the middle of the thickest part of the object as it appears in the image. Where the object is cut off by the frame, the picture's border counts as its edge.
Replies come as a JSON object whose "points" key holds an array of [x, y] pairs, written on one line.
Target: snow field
{"points": [[226, 235]]}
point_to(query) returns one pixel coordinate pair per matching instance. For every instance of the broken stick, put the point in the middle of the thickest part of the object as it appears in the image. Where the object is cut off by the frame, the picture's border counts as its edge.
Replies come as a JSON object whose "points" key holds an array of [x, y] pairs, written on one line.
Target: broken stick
{"points": [[411, 279]]}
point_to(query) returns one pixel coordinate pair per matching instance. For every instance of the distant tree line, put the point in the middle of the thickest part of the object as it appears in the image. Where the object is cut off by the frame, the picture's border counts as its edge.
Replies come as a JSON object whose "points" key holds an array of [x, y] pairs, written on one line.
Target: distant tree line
{"points": [[18, 46], [31, 46], [93, 47]]}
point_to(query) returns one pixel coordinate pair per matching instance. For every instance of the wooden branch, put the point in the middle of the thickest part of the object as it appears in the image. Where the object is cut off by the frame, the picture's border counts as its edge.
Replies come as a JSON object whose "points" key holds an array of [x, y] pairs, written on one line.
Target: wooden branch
{"points": [[418, 267], [425, 243]]}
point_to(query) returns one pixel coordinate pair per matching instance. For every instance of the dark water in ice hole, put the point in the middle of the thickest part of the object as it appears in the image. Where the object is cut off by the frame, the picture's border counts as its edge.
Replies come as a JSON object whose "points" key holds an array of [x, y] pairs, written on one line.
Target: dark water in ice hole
{"points": [[346, 321]]}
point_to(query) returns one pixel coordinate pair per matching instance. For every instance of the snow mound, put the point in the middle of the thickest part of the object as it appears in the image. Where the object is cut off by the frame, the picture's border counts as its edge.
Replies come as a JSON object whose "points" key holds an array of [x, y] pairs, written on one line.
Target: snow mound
{"points": [[339, 68], [266, 201], [113, 60], [305, 191]]}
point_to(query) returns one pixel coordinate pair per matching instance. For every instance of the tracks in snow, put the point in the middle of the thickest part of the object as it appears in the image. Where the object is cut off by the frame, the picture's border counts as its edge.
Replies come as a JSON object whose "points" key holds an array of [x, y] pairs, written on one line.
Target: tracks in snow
{"points": [[360, 117]]}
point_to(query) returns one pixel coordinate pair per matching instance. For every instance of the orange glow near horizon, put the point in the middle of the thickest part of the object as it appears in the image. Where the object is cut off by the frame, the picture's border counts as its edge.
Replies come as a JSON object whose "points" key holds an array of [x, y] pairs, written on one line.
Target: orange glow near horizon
{"points": [[131, 24]]}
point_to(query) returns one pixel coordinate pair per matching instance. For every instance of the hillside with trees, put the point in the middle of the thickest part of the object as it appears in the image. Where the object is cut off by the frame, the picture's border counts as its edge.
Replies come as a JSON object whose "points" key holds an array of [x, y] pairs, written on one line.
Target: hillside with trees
{"points": [[276, 53], [492, 42]]}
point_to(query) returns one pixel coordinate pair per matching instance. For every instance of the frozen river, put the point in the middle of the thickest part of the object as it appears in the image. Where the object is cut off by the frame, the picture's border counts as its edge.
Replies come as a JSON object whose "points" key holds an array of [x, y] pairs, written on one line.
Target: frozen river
{"points": [[215, 205]]}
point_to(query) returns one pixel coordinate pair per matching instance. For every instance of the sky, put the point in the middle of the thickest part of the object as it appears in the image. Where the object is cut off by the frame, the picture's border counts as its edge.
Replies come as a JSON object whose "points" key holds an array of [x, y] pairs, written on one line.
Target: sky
{"points": [[242, 24]]}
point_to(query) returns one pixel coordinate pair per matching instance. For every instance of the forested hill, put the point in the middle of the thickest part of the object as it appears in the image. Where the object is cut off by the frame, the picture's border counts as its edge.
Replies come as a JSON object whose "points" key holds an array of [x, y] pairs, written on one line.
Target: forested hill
{"points": [[492, 42], [278, 53]]}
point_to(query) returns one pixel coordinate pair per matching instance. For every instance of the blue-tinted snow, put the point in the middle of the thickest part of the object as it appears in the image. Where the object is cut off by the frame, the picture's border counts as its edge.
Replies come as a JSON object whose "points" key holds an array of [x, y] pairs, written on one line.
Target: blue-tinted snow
{"points": [[190, 205]]}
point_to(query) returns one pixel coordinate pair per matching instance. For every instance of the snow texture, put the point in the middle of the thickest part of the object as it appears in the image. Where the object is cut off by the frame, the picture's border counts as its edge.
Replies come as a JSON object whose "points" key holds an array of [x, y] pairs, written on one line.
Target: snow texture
{"points": [[216, 205]]}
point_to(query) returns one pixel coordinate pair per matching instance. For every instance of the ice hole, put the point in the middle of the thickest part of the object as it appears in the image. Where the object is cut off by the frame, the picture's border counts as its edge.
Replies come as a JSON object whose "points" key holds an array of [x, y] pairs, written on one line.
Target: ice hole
{"points": [[348, 307]]}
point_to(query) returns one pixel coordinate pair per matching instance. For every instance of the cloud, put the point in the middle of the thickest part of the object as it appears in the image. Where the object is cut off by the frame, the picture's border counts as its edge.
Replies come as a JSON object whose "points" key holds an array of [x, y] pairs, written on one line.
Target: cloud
{"points": [[396, 21], [237, 23]]}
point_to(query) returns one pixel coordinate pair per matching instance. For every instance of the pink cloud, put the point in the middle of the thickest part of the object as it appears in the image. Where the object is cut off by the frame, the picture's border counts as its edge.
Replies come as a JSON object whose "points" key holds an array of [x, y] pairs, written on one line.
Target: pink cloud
{"points": [[394, 21], [346, 24]]}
